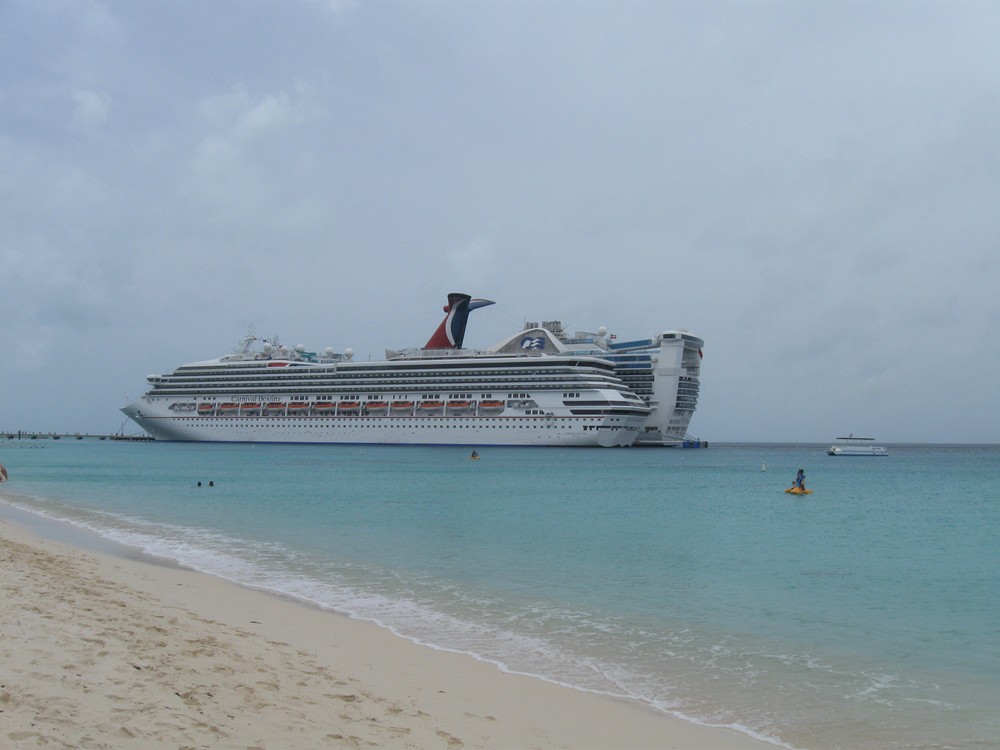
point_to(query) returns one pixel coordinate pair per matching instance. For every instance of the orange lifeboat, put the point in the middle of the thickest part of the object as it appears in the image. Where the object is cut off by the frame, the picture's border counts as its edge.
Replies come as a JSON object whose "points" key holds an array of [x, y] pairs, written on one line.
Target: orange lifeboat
{"points": [[459, 406], [275, 406], [251, 407], [228, 408], [376, 406], [298, 406], [348, 407], [431, 405], [324, 406], [206, 408], [402, 406], [491, 406]]}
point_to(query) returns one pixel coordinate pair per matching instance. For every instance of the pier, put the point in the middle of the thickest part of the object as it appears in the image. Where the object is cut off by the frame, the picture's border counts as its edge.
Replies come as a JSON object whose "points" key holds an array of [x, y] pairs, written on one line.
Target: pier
{"points": [[28, 435]]}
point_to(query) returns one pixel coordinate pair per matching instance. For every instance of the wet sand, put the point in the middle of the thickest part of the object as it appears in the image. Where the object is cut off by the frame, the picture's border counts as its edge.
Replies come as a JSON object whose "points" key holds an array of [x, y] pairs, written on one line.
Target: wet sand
{"points": [[100, 651]]}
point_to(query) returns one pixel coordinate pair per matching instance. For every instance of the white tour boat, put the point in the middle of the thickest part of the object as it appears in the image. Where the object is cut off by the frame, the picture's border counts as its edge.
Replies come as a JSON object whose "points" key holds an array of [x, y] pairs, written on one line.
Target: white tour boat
{"points": [[856, 446]]}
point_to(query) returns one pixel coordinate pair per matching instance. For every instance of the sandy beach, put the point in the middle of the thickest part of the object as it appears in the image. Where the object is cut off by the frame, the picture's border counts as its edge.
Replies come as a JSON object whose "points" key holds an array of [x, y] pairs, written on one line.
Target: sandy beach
{"points": [[101, 651]]}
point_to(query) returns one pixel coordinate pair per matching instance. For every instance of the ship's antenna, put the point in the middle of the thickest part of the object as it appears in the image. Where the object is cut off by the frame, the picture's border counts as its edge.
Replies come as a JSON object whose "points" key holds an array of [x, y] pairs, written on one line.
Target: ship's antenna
{"points": [[244, 345]]}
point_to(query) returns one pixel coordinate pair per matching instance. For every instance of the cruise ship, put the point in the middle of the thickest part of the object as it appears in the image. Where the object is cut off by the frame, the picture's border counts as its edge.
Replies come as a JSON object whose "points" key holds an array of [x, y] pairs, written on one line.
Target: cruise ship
{"points": [[664, 370], [530, 389]]}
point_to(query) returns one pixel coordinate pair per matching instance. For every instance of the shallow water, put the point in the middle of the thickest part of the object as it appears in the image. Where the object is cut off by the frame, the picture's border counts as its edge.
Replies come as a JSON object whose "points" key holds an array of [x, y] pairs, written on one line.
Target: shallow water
{"points": [[866, 615]]}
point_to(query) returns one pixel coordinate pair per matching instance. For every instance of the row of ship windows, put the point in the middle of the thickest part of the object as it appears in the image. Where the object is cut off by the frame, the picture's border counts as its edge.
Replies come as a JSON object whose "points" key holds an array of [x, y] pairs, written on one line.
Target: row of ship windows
{"points": [[366, 371], [394, 385], [380, 396], [390, 385], [418, 422], [390, 377], [457, 396], [223, 393]]}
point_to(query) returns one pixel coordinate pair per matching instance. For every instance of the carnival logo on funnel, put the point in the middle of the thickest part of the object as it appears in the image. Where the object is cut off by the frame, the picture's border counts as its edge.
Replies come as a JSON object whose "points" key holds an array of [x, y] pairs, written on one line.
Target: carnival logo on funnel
{"points": [[451, 333], [532, 342]]}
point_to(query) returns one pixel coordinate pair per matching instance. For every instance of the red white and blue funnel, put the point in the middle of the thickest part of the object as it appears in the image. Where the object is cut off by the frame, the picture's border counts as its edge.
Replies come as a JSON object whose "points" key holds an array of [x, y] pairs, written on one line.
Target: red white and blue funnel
{"points": [[451, 333]]}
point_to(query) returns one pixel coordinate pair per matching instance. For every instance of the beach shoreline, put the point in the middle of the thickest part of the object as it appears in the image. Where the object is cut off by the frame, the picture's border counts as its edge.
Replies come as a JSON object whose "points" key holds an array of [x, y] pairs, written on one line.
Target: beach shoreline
{"points": [[113, 652]]}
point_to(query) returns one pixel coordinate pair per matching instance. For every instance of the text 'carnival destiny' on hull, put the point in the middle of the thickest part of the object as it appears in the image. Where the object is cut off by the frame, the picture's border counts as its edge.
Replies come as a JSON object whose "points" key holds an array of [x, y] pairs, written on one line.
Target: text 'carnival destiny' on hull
{"points": [[531, 389]]}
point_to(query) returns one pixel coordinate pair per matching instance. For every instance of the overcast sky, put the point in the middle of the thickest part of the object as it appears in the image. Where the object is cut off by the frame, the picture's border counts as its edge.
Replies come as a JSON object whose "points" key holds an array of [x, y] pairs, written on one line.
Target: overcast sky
{"points": [[811, 187]]}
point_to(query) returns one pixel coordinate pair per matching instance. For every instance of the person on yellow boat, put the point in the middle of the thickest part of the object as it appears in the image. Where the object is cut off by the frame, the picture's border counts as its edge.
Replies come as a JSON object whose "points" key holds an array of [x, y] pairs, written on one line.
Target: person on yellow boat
{"points": [[800, 481]]}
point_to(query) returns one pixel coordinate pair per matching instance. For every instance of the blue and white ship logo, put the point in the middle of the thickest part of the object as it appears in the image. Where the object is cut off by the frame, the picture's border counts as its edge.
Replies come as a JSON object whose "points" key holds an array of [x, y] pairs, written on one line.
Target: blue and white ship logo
{"points": [[532, 342]]}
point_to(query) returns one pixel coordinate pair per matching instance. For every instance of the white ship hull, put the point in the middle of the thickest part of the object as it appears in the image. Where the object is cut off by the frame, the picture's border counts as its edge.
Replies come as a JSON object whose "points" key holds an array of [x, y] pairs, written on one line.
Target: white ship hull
{"points": [[856, 446], [840, 450], [389, 430]]}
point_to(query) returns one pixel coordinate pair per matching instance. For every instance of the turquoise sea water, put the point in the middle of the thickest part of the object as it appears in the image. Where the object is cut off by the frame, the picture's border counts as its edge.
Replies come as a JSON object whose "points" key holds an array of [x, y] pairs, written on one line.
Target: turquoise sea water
{"points": [[864, 616]]}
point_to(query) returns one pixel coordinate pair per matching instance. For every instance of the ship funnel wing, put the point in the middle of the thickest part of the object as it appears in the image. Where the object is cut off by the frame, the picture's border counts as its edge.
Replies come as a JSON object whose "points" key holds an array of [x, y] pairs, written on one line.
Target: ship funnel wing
{"points": [[451, 333]]}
